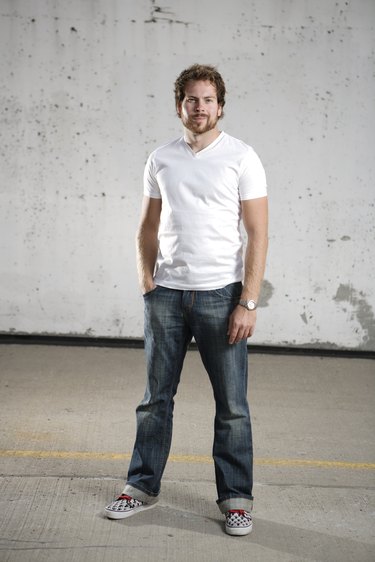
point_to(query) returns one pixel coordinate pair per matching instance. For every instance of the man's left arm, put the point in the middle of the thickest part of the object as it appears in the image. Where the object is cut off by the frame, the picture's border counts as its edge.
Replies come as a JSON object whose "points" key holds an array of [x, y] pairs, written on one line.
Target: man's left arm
{"points": [[255, 219]]}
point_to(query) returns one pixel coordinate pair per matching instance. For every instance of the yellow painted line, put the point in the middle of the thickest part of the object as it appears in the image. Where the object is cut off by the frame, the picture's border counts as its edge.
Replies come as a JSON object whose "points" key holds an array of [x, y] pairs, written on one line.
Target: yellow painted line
{"points": [[316, 463], [187, 459], [65, 455]]}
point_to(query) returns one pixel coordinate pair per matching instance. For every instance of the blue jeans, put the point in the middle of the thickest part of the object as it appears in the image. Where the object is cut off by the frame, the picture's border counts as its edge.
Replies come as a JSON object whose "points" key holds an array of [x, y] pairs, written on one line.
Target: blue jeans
{"points": [[172, 318]]}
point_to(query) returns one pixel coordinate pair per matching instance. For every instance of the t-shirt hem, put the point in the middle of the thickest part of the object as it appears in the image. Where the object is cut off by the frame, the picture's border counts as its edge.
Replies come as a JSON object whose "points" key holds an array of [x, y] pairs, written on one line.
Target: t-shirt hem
{"points": [[258, 196], [185, 287]]}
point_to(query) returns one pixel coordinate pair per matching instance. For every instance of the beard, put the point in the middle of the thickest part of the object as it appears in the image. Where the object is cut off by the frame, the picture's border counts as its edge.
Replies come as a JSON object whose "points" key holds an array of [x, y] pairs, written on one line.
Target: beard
{"points": [[201, 126]]}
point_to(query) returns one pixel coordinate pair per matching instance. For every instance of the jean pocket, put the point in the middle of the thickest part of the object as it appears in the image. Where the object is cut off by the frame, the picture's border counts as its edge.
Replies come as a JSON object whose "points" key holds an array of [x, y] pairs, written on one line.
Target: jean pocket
{"points": [[230, 292], [149, 293]]}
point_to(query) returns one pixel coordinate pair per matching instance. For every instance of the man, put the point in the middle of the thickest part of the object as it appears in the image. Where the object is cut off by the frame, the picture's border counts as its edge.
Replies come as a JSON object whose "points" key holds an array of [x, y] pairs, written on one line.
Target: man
{"points": [[190, 264]]}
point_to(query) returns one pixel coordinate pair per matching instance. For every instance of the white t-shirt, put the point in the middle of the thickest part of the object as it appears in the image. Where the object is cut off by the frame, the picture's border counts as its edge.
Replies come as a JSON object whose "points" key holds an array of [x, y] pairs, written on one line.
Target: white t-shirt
{"points": [[200, 242]]}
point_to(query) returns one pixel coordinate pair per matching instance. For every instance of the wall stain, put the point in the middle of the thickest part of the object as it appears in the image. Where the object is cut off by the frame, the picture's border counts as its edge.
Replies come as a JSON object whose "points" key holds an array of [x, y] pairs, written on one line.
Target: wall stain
{"points": [[266, 293], [362, 310], [304, 317], [163, 14]]}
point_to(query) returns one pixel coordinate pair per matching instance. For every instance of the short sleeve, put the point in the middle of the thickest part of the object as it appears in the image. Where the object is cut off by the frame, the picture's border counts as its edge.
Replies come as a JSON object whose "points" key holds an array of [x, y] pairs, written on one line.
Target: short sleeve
{"points": [[150, 184], [252, 180]]}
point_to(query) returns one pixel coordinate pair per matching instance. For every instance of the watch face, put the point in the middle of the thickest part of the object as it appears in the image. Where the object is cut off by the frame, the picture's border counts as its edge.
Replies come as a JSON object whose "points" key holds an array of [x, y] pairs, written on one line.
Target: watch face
{"points": [[250, 305]]}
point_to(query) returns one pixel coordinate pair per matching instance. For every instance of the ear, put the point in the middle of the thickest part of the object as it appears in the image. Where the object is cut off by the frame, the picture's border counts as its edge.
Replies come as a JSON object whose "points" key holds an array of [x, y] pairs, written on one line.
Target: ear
{"points": [[219, 111], [178, 109]]}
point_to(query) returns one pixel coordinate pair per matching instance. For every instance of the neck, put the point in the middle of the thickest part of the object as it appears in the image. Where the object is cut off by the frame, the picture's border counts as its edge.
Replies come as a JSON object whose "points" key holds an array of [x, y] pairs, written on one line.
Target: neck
{"points": [[198, 142]]}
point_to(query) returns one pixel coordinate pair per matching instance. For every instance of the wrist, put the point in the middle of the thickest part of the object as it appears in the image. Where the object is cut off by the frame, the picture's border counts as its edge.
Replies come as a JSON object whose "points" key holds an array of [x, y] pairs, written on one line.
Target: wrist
{"points": [[147, 286]]}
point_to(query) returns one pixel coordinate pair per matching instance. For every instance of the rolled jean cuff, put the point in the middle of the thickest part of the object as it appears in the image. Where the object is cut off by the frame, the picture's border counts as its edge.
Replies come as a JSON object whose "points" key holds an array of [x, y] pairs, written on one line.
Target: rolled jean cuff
{"points": [[139, 495], [235, 503]]}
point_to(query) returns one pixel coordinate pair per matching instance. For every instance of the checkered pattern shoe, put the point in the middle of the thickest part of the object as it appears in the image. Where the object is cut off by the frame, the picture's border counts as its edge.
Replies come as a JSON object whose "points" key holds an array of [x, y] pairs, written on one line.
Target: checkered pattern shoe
{"points": [[125, 506], [238, 522]]}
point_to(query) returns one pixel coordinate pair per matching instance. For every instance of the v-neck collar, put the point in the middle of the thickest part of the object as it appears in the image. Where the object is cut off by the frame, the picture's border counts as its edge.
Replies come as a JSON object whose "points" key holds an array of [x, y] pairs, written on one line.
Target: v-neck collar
{"points": [[206, 148]]}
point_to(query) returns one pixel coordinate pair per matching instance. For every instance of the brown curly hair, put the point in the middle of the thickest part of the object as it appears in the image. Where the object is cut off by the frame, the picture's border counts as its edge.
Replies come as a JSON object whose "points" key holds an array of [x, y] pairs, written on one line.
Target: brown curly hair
{"points": [[200, 72]]}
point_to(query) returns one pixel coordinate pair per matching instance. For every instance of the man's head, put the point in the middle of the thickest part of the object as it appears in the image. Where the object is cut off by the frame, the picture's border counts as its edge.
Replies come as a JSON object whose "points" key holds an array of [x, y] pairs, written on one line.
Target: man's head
{"points": [[199, 72], [200, 97]]}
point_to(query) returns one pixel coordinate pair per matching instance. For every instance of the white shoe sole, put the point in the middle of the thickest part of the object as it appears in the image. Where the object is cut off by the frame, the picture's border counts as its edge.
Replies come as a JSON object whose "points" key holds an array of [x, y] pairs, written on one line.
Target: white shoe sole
{"points": [[123, 514]]}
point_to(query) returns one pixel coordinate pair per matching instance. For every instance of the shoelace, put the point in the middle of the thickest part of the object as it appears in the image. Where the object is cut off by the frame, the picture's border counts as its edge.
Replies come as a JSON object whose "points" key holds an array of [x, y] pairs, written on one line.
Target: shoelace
{"points": [[124, 497], [241, 513]]}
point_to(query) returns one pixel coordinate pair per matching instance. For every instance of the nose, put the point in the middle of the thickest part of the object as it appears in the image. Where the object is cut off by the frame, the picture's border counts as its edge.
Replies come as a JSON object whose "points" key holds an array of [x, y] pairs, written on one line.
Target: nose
{"points": [[199, 106]]}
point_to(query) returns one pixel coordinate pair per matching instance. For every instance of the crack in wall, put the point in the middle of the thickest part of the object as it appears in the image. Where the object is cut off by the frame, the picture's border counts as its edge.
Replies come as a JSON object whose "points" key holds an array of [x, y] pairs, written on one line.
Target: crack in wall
{"points": [[163, 14]]}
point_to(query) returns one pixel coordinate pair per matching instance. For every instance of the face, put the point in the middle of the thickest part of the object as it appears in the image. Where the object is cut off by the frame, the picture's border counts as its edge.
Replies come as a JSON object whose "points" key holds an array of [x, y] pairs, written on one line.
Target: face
{"points": [[199, 110]]}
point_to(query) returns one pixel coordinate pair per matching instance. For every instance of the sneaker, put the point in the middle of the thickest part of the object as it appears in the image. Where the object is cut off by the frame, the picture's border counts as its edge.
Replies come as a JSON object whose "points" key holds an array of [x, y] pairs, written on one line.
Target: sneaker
{"points": [[238, 522], [125, 506]]}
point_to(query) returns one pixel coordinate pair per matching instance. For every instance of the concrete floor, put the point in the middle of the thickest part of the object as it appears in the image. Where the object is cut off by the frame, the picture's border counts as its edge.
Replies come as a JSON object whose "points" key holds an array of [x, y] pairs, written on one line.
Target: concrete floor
{"points": [[67, 430]]}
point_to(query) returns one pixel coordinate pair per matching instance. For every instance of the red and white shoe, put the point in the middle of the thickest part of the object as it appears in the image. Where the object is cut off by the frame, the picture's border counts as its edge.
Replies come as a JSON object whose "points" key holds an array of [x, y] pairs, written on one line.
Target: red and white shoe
{"points": [[125, 506], [238, 522]]}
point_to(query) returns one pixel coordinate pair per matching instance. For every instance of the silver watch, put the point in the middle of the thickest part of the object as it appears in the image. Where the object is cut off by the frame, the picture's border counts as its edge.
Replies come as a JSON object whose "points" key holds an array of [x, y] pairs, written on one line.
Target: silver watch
{"points": [[250, 305]]}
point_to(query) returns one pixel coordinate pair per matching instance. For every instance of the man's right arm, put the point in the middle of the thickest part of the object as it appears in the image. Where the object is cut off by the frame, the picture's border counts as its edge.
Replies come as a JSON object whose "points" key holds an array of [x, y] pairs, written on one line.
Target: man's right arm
{"points": [[147, 242]]}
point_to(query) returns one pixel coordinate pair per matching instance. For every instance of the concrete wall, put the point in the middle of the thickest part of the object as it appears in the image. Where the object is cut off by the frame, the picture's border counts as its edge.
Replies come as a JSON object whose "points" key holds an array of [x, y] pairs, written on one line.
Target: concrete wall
{"points": [[86, 90]]}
